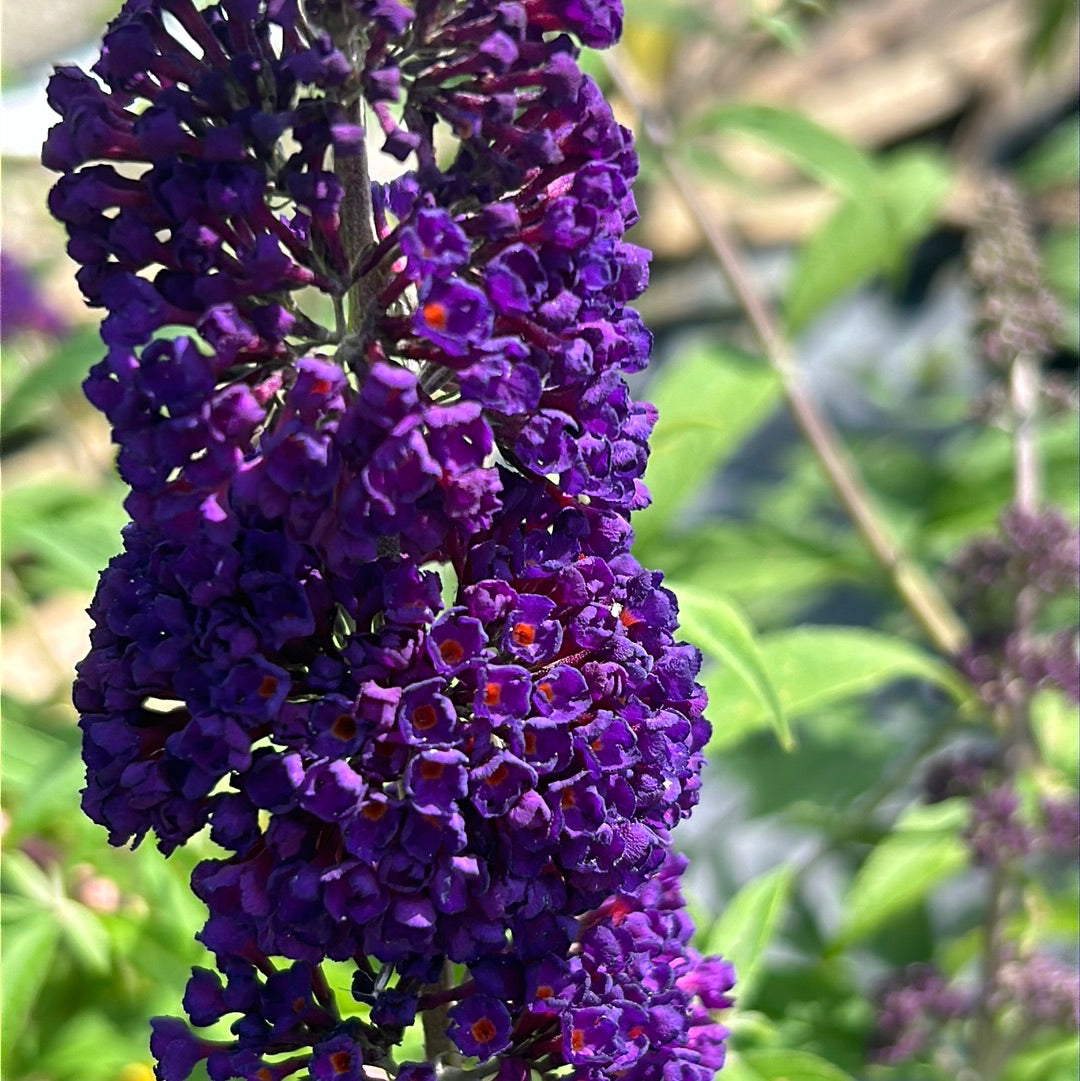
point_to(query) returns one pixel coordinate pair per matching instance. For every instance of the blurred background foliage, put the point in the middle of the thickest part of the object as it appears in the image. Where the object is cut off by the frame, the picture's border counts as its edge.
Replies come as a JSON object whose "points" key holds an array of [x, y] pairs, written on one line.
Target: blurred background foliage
{"points": [[846, 146]]}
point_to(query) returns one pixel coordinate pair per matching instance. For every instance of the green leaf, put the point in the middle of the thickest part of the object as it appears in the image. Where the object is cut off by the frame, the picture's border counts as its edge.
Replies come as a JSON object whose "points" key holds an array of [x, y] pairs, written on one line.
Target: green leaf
{"points": [[1054, 160], [814, 666], [1053, 723], [868, 234], [29, 946], [21, 875], [747, 926], [923, 850], [914, 183], [1058, 1061], [784, 31], [1050, 30], [52, 794], [62, 534], [26, 747], [60, 372], [853, 245], [710, 398], [816, 151], [768, 1064], [977, 479], [1061, 253], [724, 635], [759, 561], [84, 935], [89, 1047]]}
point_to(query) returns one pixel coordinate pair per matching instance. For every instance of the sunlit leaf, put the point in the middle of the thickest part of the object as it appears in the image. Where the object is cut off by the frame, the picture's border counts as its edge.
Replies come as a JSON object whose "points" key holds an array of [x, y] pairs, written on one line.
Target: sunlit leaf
{"points": [[1053, 723], [710, 398], [868, 234], [1059, 1060], [60, 372], [724, 635], [854, 244], [817, 151], [60, 534], [747, 926], [84, 935], [813, 666], [29, 946], [1061, 255], [758, 561], [768, 1064], [923, 850], [21, 875]]}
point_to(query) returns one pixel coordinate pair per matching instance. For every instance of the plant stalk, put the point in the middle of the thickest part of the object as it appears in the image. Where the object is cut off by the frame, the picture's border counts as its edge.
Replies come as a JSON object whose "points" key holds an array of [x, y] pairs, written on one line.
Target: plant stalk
{"points": [[919, 593], [436, 1021]]}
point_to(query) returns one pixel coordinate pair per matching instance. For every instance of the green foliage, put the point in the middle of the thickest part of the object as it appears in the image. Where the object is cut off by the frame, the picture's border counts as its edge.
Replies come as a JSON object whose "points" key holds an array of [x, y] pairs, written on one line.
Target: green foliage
{"points": [[818, 152], [748, 924], [1061, 259], [58, 535], [770, 1065], [710, 399], [812, 667], [923, 849], [30, 386], [723, 634], [869, 233]]}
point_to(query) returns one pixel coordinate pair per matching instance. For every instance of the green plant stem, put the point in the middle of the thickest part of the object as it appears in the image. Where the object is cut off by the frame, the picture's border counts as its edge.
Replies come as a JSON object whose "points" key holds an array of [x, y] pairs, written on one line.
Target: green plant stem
{"points": [[436, 1021], [357, 217], [1014, 718], [357, 226], [920, 594], [986, 1048], [1024, 402]]}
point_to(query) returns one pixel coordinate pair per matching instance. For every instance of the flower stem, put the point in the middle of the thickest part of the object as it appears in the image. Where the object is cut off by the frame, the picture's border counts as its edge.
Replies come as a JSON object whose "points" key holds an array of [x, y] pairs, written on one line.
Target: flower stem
{"points": [[920, 594], [436, 1042], [1024, 400], [357, 226], [357, 218]]}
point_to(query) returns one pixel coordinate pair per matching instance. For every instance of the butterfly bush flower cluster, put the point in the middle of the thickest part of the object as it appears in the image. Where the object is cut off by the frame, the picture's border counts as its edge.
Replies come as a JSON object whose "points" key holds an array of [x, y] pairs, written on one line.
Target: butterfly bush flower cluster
{"points": [[376, 625]]}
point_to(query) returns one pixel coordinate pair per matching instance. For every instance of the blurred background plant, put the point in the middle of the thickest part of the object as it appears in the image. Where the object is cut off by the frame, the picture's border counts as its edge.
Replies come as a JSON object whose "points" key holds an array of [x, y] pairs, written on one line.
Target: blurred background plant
{"points": [[867, 503]]}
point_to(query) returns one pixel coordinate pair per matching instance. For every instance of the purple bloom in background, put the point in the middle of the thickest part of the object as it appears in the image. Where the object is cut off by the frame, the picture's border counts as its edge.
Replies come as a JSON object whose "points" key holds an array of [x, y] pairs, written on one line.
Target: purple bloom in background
{"points": [[22, 307], [376, 622], [912, 1006]]}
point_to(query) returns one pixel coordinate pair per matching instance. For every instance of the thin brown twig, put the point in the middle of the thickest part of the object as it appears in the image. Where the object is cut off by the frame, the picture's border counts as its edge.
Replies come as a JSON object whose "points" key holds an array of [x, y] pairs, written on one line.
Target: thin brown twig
{"points": [[921, 596]]}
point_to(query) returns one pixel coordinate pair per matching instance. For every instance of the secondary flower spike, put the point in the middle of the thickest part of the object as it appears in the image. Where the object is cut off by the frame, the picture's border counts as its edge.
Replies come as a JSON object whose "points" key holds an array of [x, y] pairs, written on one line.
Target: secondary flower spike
{"points": [[376, 624]]}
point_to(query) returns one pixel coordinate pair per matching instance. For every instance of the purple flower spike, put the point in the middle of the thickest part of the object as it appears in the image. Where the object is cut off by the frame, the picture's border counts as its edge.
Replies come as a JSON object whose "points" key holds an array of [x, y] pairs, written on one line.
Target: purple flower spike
{"points": [[375, 623]]}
